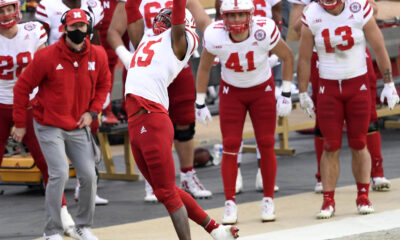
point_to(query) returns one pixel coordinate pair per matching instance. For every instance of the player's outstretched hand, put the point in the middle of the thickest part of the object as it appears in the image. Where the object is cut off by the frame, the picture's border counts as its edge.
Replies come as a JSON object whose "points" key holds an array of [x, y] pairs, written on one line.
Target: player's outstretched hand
{"points": [[306, 103], [202, 113], [283, 106], [389, 92]]}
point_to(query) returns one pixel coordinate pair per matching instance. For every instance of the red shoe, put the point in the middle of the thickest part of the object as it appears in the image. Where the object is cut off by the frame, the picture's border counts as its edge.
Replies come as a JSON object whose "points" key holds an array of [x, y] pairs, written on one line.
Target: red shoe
{"points": [[364, 206], [327, 209], [109, 118]]}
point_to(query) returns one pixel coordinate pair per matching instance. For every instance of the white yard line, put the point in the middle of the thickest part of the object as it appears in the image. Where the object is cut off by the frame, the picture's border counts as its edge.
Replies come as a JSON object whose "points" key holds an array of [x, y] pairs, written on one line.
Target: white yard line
{"points": [[335, 229]]}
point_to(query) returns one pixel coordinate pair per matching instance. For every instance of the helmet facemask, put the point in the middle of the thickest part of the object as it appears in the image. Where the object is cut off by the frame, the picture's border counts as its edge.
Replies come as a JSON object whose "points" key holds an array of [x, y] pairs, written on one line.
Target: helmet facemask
{"points": [[237, 7], [330, 4]]}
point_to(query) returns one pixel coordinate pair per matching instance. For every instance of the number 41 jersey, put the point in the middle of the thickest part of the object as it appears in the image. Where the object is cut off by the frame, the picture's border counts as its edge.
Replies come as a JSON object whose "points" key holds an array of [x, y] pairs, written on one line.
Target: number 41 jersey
{"points": [[339, 40], [244, 64], [16, 54]]}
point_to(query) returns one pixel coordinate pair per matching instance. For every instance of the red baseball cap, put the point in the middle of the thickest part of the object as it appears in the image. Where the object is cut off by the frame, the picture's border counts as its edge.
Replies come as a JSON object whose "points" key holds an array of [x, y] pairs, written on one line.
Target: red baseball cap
{"points": [[76, 15]]}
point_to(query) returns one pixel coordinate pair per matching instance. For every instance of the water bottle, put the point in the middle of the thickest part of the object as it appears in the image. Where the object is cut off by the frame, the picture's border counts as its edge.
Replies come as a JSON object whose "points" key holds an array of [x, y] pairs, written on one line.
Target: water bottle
{"points": [[217, 154]]}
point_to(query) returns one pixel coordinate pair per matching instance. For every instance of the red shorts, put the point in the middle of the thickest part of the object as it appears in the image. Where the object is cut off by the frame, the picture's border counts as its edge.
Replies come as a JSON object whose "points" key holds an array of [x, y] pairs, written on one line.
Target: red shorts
{"points": [[314, 79], [233, 106], [151, 136], [350, 101], [182, 95], [373, 88]]}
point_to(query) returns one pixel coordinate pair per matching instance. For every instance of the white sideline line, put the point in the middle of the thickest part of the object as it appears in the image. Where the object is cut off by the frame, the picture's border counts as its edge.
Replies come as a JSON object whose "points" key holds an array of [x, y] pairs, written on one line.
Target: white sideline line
{"points": [[341, 228]]}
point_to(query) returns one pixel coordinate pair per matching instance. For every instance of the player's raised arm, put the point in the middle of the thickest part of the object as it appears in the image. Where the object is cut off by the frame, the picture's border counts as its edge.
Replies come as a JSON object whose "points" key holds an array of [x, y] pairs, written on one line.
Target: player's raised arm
{"points": [[135, 21], [179, 41]]}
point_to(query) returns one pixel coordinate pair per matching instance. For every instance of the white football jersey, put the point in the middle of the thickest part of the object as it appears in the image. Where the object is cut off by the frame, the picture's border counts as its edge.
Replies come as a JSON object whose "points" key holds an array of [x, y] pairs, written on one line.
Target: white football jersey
{"points": [[50, 12], [301, 2], [263, 8], [244, 64], [154, 66], [339, 40], [15, 54]]}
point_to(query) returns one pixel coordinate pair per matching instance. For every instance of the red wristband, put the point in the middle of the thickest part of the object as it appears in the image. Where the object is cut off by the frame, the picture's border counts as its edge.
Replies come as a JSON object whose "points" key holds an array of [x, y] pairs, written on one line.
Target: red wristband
{"points": [[178, 12], [132, 11]]}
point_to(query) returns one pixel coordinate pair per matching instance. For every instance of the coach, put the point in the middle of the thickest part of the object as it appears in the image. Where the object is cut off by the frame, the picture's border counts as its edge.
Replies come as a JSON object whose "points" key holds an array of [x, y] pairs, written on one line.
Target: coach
{"points": [[73, 80]]}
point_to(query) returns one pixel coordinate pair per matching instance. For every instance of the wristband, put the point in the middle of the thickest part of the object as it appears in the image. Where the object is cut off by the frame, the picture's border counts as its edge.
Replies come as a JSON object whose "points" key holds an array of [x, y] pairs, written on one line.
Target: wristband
{"points": [[390, 84], [198, 106], [200, 99], [93, 114], [286, 86], [124, 55]]}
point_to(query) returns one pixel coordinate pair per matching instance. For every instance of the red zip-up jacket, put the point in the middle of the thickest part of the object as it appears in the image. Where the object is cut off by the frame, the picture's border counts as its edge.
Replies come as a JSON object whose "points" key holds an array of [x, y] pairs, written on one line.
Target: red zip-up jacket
{"points": [[70, 84]]}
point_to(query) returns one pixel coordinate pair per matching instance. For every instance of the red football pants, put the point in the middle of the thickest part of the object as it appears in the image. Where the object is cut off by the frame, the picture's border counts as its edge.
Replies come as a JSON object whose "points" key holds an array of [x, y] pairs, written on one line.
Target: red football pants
{"points": [[151, 136], [6, 122], [260, 102], [348, 100]]}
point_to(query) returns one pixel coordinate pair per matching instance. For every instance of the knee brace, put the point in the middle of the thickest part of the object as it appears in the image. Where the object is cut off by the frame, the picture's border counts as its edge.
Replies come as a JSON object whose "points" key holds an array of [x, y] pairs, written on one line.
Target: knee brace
{"points": [[169, 198], [184, 135], [373, 127], [318, 133]]}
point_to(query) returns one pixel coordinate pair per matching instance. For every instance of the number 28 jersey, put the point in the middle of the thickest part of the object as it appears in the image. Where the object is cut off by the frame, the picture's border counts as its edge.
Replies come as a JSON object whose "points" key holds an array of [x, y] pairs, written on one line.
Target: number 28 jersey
{"points": [[16, 54], [154, 66], [244, 64], [339, 40]]}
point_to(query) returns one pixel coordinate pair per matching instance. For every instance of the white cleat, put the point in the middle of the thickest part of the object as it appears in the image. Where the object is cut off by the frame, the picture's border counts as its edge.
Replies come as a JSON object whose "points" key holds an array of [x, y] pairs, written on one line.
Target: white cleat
{"points": [[68, 223], [83, 233], [52, 237], [380, 184], [100, 201], [267, 210], [239, 182], [327, 209], [259, 182], [230, 213], [318, 187], [225, 233], [364, 206], [150, 197], [191, 184]]}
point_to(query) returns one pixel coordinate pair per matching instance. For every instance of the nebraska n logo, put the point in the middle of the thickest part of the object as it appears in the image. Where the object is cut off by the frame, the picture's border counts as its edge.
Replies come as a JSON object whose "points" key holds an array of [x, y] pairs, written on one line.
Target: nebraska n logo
{"points": [[91, 66], [321, 90], [225, 90]]}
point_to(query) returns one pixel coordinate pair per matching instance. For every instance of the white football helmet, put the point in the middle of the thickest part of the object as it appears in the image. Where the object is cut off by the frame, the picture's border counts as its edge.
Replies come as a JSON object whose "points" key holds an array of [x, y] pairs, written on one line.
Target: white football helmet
{"points": [[9, 20], [236, 6], [330, 4], [162, 20]]}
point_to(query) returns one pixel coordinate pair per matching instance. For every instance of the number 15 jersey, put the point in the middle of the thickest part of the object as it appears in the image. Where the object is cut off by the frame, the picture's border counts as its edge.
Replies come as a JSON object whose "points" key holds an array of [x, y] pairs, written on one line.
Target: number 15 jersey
{"points": [[339, 40], [154, 66]]}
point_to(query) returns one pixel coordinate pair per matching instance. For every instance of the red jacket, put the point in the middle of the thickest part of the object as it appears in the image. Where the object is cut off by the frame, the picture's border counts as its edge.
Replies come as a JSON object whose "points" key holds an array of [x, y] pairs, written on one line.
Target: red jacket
{"points": [[68, 85]]}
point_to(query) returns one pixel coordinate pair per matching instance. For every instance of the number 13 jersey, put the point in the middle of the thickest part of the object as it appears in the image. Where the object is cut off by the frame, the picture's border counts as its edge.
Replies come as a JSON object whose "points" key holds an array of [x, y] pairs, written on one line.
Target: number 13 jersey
{"points": [[244, 64], [339, 40]]}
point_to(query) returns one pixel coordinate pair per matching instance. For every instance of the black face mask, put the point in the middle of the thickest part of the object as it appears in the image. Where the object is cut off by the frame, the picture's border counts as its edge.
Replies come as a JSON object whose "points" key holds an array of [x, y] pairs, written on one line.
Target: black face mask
{"points": [[76, 36]]}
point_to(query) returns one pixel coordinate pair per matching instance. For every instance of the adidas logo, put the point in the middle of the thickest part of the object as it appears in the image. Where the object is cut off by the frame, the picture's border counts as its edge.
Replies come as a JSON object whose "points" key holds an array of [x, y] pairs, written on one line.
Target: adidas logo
{"points": [[363, 87], [59, 67], [268, 88], [363, 190], [254, 44], [143, 130], [351, 17]]}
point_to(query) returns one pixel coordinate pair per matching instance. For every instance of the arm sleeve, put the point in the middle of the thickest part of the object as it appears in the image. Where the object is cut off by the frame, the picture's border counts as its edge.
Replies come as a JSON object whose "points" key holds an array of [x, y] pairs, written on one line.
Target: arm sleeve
{"points": [[30, 78], [103, 83], [42, 14], [273, 33], [98, 13], [132, 11], [304, 19], [41, 34], [367, 11]]}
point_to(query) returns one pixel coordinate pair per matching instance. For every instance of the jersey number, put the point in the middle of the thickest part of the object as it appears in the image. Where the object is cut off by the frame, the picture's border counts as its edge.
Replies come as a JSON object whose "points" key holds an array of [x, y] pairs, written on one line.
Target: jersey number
{"points": [[234, 63], [144, 54], [6, 73], [149, 15], [338, 32]]}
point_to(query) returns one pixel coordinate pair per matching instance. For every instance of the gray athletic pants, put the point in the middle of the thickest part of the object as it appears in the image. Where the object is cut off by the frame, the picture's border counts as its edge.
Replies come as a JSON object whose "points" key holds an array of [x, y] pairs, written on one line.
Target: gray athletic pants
{"points": [[56, 145]]}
